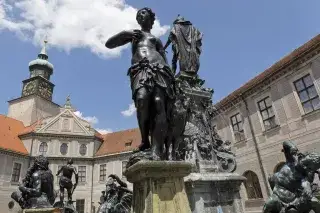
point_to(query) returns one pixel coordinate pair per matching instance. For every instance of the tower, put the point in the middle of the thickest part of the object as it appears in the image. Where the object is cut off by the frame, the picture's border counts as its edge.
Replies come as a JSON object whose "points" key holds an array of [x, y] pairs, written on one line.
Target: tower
{"points": [[36, 97]]}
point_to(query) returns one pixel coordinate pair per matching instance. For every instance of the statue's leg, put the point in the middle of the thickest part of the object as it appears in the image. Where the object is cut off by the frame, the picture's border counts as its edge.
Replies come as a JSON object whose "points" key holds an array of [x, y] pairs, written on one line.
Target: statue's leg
{"points": [[160, 127], [61, 194], [142, 105], [272, 205], [315, 205]]}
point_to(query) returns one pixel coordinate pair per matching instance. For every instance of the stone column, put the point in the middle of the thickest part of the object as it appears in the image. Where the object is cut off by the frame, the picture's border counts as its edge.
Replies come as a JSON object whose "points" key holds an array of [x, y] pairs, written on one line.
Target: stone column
{"points": [[214, 192], [158, 186]]}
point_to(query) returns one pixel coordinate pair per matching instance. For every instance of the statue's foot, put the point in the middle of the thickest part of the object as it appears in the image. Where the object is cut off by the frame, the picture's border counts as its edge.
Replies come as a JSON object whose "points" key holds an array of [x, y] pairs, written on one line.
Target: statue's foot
{"points": [[144, 146]]}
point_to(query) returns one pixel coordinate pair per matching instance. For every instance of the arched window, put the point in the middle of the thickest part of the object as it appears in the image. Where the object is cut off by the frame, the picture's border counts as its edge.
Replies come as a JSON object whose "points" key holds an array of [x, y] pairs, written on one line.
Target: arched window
{"points": [[278, 167], [43, 148], [252, 185], [64, 149], [83, 149]]}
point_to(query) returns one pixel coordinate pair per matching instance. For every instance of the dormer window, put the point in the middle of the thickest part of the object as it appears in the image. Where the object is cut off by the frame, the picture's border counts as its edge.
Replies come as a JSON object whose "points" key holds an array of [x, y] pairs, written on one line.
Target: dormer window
{"points": [[127, 144]]}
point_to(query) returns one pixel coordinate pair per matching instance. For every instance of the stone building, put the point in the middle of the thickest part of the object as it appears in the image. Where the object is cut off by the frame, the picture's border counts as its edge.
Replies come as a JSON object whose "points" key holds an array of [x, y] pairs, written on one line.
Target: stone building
{"points": [[36, 125], [282, 103]]}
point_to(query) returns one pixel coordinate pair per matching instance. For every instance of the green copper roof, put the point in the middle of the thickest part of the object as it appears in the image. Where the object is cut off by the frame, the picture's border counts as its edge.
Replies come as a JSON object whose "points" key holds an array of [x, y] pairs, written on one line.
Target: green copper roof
{"points": [[42, 58]]}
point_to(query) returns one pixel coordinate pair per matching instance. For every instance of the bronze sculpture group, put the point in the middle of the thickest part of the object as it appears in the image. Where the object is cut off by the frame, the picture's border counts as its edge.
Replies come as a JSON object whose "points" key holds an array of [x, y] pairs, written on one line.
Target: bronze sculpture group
{"points": [[174, 115], [293, 188], [177, 123]]}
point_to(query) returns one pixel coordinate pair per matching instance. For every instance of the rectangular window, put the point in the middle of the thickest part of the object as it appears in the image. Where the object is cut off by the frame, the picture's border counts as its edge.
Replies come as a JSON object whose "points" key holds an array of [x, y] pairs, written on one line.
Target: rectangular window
{"points": [[82, 173], [237, 126], [103, 172], [80, 205], [307, 93], [266, 112], [124, 164], [16, 172]]}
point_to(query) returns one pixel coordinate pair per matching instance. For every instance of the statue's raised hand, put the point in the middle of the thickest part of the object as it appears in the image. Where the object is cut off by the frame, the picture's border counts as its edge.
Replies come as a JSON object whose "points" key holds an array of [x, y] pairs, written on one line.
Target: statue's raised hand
{"points": [[137, 35]]}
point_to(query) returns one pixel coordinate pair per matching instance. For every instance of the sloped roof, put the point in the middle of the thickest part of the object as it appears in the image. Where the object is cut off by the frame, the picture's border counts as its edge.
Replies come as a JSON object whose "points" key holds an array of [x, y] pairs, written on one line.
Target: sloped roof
{"points": [[278, 66], [116, 142], [9, 131]]}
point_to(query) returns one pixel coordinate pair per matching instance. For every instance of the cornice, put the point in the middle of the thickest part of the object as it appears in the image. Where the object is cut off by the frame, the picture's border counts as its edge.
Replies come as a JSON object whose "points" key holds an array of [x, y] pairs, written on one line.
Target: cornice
{"points": [[13, 153], [30, 96], [66, 136]]}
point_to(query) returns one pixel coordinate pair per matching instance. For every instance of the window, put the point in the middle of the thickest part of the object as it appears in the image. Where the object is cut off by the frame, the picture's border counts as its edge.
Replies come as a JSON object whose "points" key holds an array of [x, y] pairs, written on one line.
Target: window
{"points": [[266, 112], [82, 173], [64, 149], [43, 148], [128, 143], [307, 93], [80, 205], [103, 172], [16, 172], [237, 126], [83, 149], [252, 185], [124, 165]]}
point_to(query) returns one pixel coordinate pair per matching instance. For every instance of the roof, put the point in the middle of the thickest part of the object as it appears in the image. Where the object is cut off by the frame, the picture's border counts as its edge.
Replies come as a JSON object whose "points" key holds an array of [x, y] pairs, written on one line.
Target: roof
{"points": [[116, 142], [275, 68], [9, 131]]}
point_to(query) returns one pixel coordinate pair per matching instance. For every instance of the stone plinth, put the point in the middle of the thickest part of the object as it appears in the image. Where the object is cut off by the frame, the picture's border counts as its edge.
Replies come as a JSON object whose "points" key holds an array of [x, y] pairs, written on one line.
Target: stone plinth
{"points": [[158, 186], [46, 210], [214, 192]]}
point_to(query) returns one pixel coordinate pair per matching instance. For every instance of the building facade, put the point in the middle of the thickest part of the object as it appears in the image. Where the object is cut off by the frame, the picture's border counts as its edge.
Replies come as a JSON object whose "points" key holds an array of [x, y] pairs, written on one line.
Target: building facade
{"points": [[35, 125], [282, 103]]}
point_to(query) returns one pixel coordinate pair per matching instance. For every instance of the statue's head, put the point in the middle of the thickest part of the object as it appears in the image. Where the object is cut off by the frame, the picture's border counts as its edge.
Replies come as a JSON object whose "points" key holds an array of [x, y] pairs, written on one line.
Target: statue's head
{"points": [[310, 162], [145, 18], [290, 151], [42, 162], [110, 186], [70, 161]]}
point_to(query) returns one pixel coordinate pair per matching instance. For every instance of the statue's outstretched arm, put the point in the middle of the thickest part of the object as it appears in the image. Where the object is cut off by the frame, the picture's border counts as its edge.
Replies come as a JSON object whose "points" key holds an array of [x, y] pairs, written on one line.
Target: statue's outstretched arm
{"points": [[76, 175], [120, 182], [168, 41], [59, 171], [120, 39]]}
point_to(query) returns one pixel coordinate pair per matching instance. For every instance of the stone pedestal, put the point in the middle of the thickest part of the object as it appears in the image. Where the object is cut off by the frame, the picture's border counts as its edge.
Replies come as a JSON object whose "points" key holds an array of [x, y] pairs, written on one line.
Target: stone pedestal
{"points": [[214, 192], [158, 186], [46, 210]]}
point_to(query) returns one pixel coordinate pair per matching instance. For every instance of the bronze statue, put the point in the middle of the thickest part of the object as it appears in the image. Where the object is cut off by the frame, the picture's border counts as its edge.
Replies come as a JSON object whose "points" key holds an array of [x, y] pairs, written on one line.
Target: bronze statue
{"points": [[65, 181], [36, 190], [152, 81], [292, 185], [186, 46], [116, 198]]}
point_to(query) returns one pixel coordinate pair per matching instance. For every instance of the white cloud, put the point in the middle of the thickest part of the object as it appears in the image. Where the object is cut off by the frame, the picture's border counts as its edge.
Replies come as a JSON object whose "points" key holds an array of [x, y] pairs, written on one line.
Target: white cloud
{"points": [[71, 24], [130, 111], [104, 131], [91, 119]]}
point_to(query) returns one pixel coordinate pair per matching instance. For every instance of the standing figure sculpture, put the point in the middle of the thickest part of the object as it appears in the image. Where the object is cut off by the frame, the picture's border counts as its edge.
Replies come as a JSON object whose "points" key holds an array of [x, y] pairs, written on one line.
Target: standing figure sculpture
{"points": [[117, 198], [291, 186], [65, 181], [36, 190], [152, 81], [186, 46]]}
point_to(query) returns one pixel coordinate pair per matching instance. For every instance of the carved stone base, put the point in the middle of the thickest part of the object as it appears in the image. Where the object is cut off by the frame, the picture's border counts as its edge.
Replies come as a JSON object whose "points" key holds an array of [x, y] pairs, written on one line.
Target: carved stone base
{"points": [[214, 192], [47, 210], [158, 186]]}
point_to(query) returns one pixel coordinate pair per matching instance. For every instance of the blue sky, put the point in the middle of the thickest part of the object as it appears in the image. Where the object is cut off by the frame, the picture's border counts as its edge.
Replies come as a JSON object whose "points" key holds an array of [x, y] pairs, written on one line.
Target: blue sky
{"points": [[241, 39]]}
